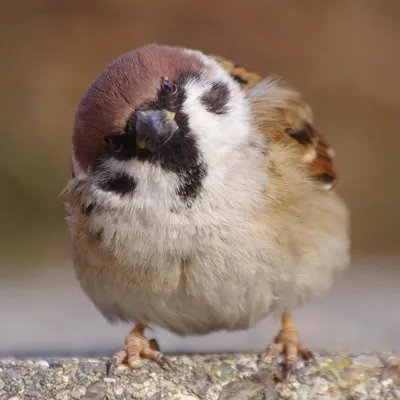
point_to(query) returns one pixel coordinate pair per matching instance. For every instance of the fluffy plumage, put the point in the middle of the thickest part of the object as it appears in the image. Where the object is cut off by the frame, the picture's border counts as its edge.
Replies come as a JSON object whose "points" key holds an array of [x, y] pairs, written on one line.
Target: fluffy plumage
{"points": [[297, 117], [229, 221]]}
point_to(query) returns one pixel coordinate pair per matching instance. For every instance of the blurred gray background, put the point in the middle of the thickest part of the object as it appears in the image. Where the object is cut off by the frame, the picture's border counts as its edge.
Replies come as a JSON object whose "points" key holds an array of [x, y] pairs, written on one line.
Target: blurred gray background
{"points": [[344, 56]]}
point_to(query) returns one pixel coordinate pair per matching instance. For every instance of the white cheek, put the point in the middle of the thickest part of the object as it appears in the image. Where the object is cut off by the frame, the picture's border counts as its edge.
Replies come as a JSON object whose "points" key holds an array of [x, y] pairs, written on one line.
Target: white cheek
{"points": [[202, 124], [155, 191], [217, 134]]}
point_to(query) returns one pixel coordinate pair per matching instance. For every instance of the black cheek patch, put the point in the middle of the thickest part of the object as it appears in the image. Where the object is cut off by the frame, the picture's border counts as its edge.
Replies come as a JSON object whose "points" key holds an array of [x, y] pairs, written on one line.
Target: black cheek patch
{"points": [[216, 99], [121, 184]]}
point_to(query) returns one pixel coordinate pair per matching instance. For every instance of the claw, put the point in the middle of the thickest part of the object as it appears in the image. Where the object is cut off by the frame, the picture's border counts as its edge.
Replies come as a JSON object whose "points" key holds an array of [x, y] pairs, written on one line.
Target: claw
{"points": [[166, 361], [158, 357], [287, 370], [267, 353], [137, 347], [307, 355], [287, 343], [117, 360], [110, 368], [273, 350], [286, 373]]}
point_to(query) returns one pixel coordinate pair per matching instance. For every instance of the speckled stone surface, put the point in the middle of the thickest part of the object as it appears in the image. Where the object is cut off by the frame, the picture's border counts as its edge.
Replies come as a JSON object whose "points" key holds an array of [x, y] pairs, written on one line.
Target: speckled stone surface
{"points": [[211, 377]]}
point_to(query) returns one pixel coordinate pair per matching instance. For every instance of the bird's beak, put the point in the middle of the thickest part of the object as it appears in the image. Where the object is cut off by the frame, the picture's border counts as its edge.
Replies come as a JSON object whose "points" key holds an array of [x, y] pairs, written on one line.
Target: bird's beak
{"points": [[154, 128]]}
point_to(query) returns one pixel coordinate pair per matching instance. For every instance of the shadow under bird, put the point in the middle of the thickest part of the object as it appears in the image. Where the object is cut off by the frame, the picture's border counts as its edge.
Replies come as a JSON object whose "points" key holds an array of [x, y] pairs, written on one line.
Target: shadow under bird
{"points": [[201, 199]]}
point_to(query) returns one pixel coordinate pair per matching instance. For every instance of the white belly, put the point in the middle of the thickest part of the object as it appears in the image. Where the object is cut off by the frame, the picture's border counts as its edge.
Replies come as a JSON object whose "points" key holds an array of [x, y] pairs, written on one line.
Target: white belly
{"points": [[194, 281]]}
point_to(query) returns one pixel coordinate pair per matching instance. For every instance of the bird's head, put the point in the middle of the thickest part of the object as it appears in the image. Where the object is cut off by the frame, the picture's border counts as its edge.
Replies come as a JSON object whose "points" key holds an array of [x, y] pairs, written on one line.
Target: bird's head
{"points": [[159, 110]]}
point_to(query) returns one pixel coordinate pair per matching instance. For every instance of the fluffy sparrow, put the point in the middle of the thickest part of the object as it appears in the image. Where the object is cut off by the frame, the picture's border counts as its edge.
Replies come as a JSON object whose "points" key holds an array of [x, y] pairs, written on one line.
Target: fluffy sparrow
{"points": [[201, 200]]}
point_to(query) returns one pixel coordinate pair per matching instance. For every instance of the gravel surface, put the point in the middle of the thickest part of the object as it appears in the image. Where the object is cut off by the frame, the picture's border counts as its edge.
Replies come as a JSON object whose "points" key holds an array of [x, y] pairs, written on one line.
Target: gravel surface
{"points": [[210, 377]]}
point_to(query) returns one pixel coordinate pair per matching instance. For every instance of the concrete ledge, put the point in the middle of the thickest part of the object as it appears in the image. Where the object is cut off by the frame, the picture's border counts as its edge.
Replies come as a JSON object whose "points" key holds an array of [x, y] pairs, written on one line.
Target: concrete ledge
{"points": [[210, 377]]}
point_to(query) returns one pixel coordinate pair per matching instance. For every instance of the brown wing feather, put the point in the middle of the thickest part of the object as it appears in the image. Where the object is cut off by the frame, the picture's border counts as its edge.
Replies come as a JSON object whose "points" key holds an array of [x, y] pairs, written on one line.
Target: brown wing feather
{"points": [[247, 79], [318, 155]]}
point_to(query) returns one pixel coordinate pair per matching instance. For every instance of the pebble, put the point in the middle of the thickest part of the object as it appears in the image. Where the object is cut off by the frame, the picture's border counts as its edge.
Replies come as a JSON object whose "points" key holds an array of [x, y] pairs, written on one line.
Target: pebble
{"points": [[309, 370], [63, 395], [186, 360], [387, 382], [304, 379], [335, 373], [367, 361], [43, 364], [321, 385], [96, 391], [326, 376], [55, 364], [396, 393], [10, 374], [87, 367], [360, 389], [225, 368], [118, 390], [300, 364], [286, 394], [295, 385], [32, 393], [342, 384], [78, 393]]}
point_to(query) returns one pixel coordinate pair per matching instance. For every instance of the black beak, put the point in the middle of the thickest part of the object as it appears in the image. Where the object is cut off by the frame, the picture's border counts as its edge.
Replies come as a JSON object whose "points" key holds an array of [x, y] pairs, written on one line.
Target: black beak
{"points": [[154, 128]]}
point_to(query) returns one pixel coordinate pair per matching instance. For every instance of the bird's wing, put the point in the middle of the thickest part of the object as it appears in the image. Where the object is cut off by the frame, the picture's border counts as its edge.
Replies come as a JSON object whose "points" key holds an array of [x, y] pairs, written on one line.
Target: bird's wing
{"points": [[247, 79], [272, 99]]}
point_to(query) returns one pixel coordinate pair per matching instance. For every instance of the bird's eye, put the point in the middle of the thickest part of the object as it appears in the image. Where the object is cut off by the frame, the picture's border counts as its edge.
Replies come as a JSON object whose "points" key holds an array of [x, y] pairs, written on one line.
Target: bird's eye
{"points": [[168, 87], [114, 143]]}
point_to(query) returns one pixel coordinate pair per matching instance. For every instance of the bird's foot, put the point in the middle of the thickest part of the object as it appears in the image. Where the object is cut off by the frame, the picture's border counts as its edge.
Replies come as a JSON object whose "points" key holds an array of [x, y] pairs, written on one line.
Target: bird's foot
{"points": [[136, 348], [287, 343]]}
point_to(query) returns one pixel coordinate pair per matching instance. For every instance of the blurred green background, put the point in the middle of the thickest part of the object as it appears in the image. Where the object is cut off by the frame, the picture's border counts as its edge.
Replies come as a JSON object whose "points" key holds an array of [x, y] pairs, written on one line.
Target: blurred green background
{"points": [[343, 56]]}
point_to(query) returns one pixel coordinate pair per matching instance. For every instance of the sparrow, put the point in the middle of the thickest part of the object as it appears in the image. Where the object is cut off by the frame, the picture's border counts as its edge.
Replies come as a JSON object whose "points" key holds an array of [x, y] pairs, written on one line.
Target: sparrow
{"points": [[201, 199]]}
